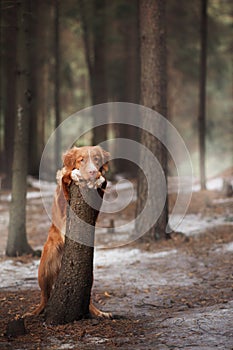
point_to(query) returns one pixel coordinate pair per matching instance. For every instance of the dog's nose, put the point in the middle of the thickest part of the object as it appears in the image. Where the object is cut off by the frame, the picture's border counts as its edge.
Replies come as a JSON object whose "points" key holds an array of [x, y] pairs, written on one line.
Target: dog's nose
{"points": [[93, 172]]}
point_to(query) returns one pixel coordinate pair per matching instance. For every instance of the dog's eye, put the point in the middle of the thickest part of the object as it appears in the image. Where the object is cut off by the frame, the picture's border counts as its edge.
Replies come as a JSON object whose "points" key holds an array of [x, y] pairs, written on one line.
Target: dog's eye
{"points": [[82, 160], [96, 159]]}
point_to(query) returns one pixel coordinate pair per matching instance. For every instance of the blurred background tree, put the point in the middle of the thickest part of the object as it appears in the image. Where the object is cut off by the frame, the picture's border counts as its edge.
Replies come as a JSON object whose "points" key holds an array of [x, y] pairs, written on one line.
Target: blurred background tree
{"points": [[153, 95], [17, 239], [202, 91]]}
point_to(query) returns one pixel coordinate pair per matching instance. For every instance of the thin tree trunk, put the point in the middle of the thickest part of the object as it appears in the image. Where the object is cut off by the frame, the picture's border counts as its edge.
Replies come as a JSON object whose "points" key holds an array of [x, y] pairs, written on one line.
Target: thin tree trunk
{"points": [[57, 84], [94, 30], [98, 79], [33, 163], [131, 78], [71, 294], [153, 95], [202, 93], [10, 35], [17, 239], [132, 54], [39, 63], [1, 94]]}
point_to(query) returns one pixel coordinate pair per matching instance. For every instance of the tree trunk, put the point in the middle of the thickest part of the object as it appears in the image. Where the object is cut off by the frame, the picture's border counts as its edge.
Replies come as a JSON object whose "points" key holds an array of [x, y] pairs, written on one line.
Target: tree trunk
{"points": [[131, 50], [70, 298], [1, 93], [34, 55], [131, 78], [57, 84], [98, 78], [202, 93], [39, 57], [17, 240], [94, 31], [10, 35], [153, 95]]}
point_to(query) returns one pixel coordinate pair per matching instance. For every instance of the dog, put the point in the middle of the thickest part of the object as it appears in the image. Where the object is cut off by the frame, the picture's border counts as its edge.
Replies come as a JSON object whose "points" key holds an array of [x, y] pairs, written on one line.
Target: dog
{"points": [[86, 166]]}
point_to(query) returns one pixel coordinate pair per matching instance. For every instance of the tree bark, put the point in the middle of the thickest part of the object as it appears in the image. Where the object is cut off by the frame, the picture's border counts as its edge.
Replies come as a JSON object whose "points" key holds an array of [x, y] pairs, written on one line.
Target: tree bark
{"points": [[130, 75], [10, 35], [98, 78], [57, 84], [33, 163], [70, 298], [153, 95], [202, 92], [94, 31], [39, 57], [17, 239], [1, 81]]}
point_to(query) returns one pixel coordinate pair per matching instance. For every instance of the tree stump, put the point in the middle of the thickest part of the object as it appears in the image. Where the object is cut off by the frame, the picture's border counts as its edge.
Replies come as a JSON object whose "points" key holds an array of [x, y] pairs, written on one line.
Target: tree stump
{"points": [[15, 328], [70, 297]]}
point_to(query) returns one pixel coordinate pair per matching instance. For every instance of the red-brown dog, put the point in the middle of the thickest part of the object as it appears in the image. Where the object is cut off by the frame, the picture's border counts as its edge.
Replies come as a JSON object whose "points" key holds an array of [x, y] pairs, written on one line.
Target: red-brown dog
{"points": [[85, 165]]}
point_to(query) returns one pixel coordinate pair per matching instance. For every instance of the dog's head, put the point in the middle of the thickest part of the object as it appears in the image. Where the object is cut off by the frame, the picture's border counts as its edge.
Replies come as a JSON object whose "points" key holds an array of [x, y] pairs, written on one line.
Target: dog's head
{"points": [[91, 161]]}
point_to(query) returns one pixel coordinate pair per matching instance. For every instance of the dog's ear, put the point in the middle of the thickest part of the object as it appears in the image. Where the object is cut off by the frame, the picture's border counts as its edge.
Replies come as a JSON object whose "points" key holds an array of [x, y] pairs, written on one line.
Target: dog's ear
{"points": [[70, 158], [63, 181], [106, 157], [66, 180]]}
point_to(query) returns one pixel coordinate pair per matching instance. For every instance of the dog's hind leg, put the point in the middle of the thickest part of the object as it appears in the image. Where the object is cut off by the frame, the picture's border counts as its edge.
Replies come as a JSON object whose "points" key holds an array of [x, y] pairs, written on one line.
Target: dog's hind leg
{"points": [[44, 297]]}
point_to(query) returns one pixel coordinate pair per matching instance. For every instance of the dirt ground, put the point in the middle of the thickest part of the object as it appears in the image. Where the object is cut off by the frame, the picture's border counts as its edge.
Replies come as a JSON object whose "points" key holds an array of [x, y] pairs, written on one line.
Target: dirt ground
{"points": [[174, 294]]}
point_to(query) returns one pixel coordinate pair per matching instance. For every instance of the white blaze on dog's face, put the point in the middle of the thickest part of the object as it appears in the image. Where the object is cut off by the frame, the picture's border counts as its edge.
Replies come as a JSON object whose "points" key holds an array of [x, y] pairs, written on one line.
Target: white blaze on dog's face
{"points": [[92, 165], [91, 161]]}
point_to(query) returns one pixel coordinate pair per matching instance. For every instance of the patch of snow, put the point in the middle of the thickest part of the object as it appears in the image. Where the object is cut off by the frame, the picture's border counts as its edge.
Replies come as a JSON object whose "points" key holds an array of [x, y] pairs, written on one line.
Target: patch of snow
{"points": [[175, 182], [124, 256], [215, 184], [32, 194], [15, 274], [132, 266], [211, 184], [6, 197], [56, 343], [193, 224], [228, 247], [137, 269], [4, 218], [182, 184], [223, 200], [41, 184], [96, 340]]}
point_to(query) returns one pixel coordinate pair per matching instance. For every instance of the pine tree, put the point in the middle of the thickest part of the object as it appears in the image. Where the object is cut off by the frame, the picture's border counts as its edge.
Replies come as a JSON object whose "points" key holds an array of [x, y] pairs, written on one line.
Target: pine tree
{"points": [[153, 95]]}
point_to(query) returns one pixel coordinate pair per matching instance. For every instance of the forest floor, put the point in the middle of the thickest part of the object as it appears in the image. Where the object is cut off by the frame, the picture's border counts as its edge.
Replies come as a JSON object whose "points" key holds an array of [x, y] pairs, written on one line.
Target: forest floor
{"points": [[173, 294]]}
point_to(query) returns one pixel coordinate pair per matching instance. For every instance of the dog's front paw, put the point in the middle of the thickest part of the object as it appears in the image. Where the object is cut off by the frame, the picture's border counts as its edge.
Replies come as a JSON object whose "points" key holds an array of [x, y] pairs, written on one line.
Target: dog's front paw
{"points": [[97, 183], [76, 176]]}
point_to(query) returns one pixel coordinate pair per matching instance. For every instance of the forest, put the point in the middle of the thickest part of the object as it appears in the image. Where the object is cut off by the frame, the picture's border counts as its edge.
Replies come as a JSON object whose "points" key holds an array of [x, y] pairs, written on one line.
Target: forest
{"points": [[150, 81]]}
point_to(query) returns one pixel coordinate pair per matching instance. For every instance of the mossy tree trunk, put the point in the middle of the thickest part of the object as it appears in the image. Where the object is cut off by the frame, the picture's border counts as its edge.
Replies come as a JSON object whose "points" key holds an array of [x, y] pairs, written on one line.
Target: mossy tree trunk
{"points": [[70, 298]]}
